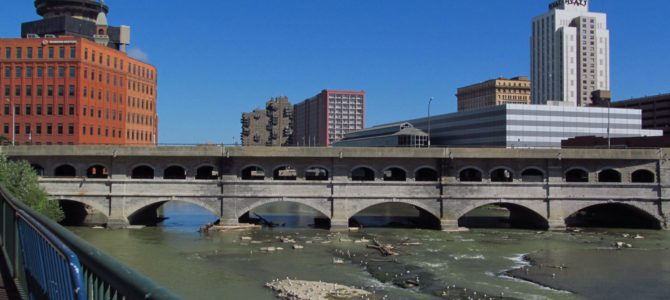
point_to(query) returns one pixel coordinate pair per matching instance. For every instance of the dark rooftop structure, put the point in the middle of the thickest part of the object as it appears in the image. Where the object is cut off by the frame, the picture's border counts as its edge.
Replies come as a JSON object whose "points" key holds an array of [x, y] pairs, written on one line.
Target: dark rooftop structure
{"points": [[655, 111], [73, 18]]}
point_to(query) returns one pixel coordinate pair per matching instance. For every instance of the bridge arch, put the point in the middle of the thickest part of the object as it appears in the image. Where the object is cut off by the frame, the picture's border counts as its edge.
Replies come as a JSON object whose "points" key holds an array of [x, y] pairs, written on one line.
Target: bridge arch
{"points": [[609, 175], [533, 174], [134, 209], [174, 172], [206, 172], [576, 174], [76, 211], [285, 172], [426, 173], [434, 211], [501, 174], [643, 176], [522, 214], [621, 214], [395, 173], [38, 169], [97, 171], [317, 172], [428, 217], [363, 173], [470, 174], [252, 172], [322, 209], [142, 171], [65, 170]]}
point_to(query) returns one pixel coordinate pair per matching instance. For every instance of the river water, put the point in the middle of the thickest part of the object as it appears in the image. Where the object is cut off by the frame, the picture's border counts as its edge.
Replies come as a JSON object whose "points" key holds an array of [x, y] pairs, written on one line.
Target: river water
{"points": [[480, 263]]}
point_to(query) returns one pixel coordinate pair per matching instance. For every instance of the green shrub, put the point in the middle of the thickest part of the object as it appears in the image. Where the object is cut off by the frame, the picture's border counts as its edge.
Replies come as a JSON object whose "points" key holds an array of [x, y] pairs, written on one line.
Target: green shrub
{"points": [[21, 181]]}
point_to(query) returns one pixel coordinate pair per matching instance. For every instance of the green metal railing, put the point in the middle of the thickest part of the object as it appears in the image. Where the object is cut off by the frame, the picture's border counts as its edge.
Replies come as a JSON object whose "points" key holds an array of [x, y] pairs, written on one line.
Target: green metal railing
{"points": [[102, 277]]}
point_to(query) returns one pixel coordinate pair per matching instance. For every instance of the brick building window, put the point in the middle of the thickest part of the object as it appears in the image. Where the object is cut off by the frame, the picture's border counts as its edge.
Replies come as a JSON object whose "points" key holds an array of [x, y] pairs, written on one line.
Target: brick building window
{"points": [[61, 90], [71, 90], [72, 72], [61, 52], [49, 128], [8, 72], [61, 72], [29, 72], [39, 91], [50, 109], [19, 53], [50, 72], [51, 52], [70, 129], [29, 52], [59, 129], [60, 109], [38, 128], [38, 109], [8, 91], [50, 91], [28, 110], [40, 72], [73, 52], [70, 109], [19, 72], [40, 52]]}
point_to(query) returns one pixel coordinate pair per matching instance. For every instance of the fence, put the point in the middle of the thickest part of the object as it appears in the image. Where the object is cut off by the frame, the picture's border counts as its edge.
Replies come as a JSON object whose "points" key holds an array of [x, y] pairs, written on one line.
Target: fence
{"points": [[46, 261]]}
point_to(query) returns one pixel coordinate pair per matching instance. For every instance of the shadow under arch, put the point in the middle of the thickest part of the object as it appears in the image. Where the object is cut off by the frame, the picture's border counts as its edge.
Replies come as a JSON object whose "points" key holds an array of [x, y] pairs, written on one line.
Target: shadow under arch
{"points": [[154, 213], [503, 215], [613, 215], [293, 214], [78, 213], [394, 215]]}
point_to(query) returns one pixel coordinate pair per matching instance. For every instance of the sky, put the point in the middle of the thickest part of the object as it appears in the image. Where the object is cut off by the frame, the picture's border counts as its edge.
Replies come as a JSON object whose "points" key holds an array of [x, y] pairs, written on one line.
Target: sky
{"points": [[219, 58]]}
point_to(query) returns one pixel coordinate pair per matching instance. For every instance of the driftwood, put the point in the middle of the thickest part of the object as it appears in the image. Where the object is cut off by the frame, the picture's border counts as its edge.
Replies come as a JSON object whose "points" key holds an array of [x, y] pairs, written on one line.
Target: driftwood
{"points": [[385, 250]]}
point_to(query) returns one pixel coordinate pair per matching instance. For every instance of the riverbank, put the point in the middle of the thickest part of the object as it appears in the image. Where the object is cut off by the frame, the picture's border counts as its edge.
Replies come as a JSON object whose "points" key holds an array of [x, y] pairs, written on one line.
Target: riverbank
{"points": [[314, 290]]}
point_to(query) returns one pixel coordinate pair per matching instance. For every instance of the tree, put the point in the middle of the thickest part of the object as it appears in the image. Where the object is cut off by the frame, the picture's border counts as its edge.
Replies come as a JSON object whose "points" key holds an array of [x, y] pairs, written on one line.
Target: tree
{"points": [[20, 179]]}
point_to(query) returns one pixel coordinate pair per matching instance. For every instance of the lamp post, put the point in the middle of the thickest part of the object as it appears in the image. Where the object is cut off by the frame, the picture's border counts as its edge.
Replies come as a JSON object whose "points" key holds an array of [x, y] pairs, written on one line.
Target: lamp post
{"points": [[429, 102]]}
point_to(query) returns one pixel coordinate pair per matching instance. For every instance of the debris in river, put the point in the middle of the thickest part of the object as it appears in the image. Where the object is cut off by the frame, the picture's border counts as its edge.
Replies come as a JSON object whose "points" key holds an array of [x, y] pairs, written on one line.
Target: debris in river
{"points": [[385, 250], [307, 290]]}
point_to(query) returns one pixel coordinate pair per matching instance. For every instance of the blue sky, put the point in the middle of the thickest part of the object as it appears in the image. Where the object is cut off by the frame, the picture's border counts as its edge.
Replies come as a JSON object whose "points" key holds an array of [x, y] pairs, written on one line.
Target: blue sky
{"points": [[217, 59]]}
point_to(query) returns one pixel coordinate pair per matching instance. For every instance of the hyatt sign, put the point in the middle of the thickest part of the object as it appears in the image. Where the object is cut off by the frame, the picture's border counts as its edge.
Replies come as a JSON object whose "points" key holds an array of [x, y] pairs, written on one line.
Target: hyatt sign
{"points": [[568, 2]]}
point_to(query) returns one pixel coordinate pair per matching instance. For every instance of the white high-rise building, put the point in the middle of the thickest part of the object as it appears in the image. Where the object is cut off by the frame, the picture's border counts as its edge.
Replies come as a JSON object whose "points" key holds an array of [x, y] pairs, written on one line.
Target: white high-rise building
{"points": [[570, 53]]}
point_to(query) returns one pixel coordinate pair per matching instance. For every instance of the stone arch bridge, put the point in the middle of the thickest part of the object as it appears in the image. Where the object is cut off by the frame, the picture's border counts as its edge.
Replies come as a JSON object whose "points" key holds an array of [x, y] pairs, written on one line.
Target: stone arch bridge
{"points": [[445, 183]]}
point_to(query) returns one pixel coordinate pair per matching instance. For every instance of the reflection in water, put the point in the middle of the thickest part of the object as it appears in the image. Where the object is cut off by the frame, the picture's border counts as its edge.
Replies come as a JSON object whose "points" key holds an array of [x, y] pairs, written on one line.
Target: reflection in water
{"points": [[224, 266]]}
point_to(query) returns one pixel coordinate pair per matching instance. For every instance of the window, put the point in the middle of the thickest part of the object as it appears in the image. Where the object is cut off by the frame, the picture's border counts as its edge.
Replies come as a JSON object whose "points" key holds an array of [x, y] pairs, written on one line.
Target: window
{"points": [[61, 52], [28, 131], [38, 109], [60, 109], [19, 53], [19, 72], [29, 52], [51, 52], [28, 110], [61, 90], [71, 91], [8, 72], [85, 53], [8, 53], [72, 72], [70, 109], [40, 72], [85, 92], [50, 109], [38, 128], [40, 52], [73, 52], [7, 90], [39, 91], [5, 128], [49, 128], [29, 72], [29, 91], [83, 130], [61, 72], [50, 72], [70, 129], [60, 128], [17, 91]]}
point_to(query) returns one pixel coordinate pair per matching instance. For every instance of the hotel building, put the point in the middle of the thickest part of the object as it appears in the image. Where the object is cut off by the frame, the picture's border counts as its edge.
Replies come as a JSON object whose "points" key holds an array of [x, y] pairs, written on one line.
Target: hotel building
{"points": [[570, 55], [66, 87], [325, 118]]}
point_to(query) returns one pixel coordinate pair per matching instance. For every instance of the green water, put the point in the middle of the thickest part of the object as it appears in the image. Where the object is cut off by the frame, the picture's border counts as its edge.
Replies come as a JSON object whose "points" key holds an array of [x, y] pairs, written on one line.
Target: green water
{"points": [[223, 266]]}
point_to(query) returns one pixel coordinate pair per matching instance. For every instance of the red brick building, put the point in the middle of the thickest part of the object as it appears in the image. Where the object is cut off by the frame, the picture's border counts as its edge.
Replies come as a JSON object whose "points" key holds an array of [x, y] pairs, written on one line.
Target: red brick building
{"points": [[75, 90], [325, 118]]}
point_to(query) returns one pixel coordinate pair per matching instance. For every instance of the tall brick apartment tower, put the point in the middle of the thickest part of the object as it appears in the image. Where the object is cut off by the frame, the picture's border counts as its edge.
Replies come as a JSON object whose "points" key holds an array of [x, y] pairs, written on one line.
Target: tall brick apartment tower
{"points": [[68, 80]]}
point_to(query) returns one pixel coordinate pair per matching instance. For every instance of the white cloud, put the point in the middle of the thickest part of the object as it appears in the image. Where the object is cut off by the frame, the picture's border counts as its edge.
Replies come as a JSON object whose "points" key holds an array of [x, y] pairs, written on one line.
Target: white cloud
{"points": [[138, 54]]}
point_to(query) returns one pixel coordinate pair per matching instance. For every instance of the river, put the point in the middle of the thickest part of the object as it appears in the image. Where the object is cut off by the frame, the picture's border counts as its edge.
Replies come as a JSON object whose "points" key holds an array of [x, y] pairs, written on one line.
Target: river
{"points": [[480, 263]]}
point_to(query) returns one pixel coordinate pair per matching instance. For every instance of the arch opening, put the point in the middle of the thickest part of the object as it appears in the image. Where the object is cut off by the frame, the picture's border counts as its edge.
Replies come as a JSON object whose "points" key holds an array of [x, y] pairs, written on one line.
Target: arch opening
{"points": [[576, 175], [425, 175], [97, 172], [142, 172], [394, 215], [173, 213], [286, 214], [395, 174], [253, 173], [502, 175], [80, 214], [609, 175], [532, 175], [643, 176], [174, 172], [363, 174], [285, 173], [206, 173], [503, 215], [65, 171], [38, 169], [316, 173], [613, 215], [470, 175]]}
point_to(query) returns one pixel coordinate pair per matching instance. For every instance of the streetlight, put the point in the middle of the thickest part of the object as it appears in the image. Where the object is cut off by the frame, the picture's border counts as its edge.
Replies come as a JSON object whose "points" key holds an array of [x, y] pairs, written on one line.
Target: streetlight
{"points": [[429, 102], [13, 112]]}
